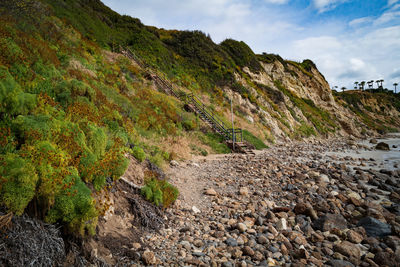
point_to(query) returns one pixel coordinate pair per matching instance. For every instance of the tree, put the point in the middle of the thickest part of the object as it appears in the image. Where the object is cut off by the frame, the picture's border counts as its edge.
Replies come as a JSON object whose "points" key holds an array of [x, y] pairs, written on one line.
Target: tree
{"points": [[343, 88], [371, 84], [395, 87], [334, 87], [355, 85], [382, 80], [362, 84], [377, 83]]}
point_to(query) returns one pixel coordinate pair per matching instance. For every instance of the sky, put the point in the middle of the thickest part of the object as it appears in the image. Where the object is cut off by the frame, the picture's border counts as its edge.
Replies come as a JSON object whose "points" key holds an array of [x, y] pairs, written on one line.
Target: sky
{"points": [[349, 40]]}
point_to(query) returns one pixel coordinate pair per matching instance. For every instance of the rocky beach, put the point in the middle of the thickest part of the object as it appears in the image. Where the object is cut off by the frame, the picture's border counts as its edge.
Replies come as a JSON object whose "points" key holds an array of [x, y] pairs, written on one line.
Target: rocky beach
{"points": [[298, 204]]}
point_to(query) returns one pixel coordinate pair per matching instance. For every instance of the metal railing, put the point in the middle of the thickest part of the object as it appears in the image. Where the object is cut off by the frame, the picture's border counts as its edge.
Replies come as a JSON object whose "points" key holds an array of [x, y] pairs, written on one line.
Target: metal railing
{"points": [[228, 133]]}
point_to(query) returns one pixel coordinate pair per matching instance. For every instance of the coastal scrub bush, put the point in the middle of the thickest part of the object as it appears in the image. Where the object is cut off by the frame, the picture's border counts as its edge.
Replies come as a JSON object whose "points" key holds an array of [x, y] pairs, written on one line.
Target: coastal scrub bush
{"points": [[241, 54], [18, 180], [159, 192], [138, 153]]}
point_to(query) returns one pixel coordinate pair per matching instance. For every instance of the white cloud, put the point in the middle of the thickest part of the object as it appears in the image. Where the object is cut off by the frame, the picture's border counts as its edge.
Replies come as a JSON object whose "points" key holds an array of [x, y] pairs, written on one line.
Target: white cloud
{"points": [[392, 15], [392, 2], [360, 21], [349, 57], [325, 5]]}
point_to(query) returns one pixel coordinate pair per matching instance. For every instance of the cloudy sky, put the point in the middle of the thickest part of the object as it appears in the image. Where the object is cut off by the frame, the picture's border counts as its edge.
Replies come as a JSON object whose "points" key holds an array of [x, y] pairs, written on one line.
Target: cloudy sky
{"points": [[349, 40]]}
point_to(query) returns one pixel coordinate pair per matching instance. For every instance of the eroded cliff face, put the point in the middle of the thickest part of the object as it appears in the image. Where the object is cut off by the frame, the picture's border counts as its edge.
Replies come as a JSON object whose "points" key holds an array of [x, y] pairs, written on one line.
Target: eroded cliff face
{"points": [[291, 102]]}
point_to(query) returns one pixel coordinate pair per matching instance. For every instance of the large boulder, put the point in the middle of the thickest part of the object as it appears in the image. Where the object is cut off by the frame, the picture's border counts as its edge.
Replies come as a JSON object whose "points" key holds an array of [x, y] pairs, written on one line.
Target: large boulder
{"points": [[382, 146], [375, 227], [329, 222]]}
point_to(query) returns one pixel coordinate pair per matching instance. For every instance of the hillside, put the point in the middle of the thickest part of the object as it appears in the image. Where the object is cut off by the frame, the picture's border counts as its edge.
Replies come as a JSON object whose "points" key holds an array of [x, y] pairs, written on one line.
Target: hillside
{"points": [[75, 111]]}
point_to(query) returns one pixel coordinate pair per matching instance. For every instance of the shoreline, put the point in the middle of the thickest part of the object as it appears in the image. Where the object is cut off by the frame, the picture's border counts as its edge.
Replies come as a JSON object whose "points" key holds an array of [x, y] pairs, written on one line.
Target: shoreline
{"points": [[288, 204]]}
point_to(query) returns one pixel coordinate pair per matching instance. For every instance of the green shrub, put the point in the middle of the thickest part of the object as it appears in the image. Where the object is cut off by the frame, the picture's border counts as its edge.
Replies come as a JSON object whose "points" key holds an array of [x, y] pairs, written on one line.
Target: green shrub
{"points": [[252, 139], [241, 54], [13, 100], [189, 121], [216, 142], [18, 180], [74, 206], [160, 192], [138, 153]]}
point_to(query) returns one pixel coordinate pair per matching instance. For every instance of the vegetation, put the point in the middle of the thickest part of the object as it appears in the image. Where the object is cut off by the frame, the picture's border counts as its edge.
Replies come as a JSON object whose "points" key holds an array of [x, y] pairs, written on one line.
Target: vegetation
{"points": [[159, 191], [242, 55], [359, 103], [70, 109], [320, 119], [252, 139]]}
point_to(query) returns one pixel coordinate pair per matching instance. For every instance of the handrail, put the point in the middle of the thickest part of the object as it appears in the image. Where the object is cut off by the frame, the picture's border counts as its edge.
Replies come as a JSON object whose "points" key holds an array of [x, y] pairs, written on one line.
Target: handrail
{"points": [[227, 132]]}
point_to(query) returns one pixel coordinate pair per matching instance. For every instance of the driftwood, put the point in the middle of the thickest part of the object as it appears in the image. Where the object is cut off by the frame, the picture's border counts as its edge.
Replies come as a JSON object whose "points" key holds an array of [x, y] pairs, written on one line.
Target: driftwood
{"points": [[30, 242], [148, 215]]}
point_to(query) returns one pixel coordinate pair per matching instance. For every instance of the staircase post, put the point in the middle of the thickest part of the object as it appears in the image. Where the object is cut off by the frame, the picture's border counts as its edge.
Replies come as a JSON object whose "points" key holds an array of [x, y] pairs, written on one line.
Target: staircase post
{"points": [[233, 128]]}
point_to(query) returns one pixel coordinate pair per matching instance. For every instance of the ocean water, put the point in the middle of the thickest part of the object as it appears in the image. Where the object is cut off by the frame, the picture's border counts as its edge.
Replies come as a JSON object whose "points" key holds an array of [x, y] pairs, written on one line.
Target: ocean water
{"points": [[389, 160]]}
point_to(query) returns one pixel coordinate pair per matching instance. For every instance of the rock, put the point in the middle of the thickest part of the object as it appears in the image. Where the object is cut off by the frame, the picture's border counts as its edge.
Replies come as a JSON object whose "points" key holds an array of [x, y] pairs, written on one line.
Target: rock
{"points": [[149, 258], [348, 249], [305, 209], [323, 178], [316, 237], [186, 245], [198, 243], [136, 246], [210, 192], [281, 224], [174, 163], [248, 251], [382, 146], [340, 263], [195, 209], [258, 256], [387, 259], [354, 195], [272, 262], [297, 238], [244, 191], [354, 237], [373, 141], [330, 221], [250, 118], [262, 239], [242, 227], [231, 242], [374, 227], [227, 264]]}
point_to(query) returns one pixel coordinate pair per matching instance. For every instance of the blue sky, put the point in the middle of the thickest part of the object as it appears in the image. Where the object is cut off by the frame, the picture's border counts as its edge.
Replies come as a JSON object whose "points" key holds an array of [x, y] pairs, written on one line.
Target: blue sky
{"points": [[349, 40]]}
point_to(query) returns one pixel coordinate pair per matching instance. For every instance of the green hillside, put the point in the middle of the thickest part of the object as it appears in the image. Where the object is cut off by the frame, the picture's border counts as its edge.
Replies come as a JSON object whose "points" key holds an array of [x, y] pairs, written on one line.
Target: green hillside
{"points": [[72, 107]]}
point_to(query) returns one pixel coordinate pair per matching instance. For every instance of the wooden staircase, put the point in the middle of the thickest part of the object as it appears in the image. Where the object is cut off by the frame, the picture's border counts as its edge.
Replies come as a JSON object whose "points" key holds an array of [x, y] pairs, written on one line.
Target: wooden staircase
{"points": [[232, 137]]}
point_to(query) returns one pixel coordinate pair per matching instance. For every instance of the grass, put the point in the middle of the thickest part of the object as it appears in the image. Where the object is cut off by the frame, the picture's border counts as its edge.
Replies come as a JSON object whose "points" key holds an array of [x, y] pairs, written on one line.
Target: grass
{"points": [[252, 139]]}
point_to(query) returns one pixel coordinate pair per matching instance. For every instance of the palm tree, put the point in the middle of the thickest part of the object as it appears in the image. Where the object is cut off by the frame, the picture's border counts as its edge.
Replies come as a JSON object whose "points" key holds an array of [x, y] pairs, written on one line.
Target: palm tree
{"points": [[362, 85], [395, 86], [377, 83], [371, 84], [382, 80], [343, 88], [356, 85]]}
